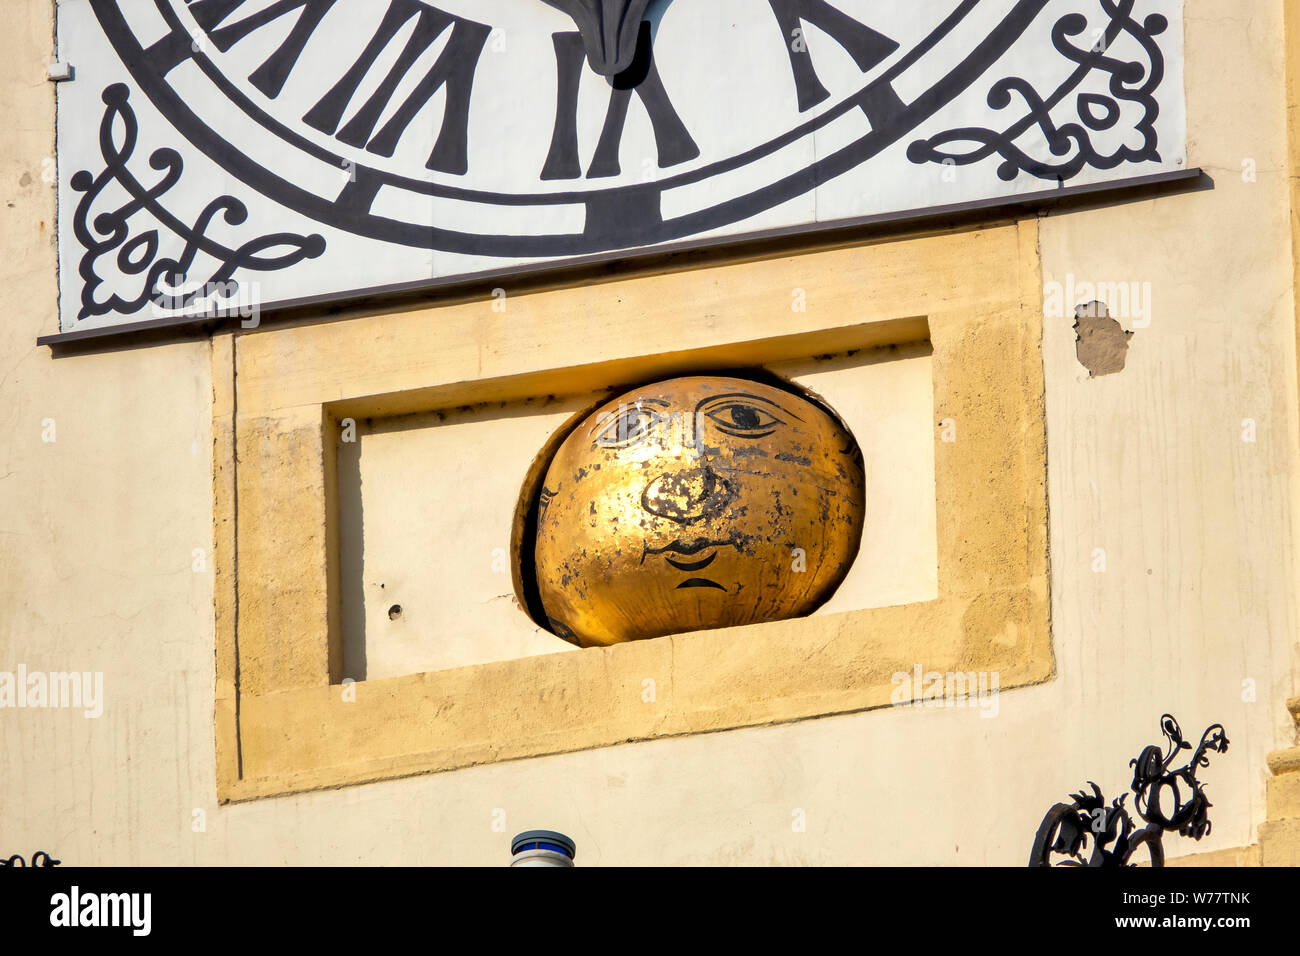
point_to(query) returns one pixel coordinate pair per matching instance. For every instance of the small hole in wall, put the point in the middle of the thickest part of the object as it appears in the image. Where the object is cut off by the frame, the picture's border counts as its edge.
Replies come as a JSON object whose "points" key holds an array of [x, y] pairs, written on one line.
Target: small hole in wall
{"points": [[395, 612]]}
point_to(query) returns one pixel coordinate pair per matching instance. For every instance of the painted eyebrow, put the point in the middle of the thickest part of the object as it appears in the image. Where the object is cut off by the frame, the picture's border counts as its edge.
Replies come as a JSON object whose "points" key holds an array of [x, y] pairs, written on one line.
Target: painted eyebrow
{"points": [[757, 398]]}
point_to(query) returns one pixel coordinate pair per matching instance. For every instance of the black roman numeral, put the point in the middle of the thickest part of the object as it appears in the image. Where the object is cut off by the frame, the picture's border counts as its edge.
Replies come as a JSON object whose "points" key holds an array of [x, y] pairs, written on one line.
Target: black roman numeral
{"points": [[270, 77], [867, 47], [672, 140], [454, 68]]}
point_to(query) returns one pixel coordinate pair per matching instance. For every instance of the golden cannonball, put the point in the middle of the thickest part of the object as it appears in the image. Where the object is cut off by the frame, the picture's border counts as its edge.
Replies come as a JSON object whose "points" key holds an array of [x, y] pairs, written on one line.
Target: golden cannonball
{"points": [[696, 503]]}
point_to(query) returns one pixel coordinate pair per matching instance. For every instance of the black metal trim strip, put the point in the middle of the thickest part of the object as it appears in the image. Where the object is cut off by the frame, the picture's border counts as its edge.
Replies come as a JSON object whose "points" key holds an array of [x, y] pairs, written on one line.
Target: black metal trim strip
{"points": [[865, 227]]}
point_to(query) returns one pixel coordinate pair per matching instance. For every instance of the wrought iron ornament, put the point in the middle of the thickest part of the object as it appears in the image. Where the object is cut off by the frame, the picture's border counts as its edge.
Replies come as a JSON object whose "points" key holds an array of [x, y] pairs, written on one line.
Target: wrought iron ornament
{"points": [[1068, 827], [39, 858]]}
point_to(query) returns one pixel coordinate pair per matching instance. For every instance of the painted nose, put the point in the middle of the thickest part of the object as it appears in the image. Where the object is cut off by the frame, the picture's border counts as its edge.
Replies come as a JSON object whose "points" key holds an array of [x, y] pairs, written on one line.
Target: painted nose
{"points": [[609, 30], [688, 495]]}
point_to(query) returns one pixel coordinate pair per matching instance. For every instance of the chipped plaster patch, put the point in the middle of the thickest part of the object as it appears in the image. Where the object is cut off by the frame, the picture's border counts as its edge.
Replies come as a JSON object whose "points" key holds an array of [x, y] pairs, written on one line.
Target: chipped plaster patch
{"points": [[1100, 342]]}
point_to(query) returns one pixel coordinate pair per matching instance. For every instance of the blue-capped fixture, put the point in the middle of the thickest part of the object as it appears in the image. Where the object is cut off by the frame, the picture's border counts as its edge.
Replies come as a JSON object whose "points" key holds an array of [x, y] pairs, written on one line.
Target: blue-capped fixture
{"points": [[542, 848]]}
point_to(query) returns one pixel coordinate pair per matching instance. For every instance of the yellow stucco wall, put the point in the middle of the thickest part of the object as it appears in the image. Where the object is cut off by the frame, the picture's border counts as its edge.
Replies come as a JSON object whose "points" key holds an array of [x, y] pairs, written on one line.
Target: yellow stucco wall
{"points": [[98, 532]]}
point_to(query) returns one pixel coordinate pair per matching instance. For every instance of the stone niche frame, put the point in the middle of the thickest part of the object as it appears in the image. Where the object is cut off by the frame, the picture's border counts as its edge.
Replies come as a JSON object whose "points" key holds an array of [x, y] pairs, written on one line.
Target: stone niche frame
{"points": [[283, 724]]}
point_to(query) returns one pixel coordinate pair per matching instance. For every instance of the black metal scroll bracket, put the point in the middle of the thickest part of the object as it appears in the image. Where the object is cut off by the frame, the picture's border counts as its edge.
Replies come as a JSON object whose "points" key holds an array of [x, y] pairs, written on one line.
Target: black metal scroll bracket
{"points": [[39, 858], [1068, 827]]}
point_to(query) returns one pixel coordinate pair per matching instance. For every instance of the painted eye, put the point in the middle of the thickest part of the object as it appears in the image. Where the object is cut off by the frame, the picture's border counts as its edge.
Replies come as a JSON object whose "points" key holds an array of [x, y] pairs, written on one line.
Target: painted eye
{"points": [[744, 420], [630, 426]]}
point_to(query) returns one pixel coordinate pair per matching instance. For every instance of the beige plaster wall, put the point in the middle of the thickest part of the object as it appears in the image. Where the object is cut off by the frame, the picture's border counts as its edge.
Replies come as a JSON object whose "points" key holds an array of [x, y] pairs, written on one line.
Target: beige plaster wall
{"points": [[99, 531], [426, 506]]}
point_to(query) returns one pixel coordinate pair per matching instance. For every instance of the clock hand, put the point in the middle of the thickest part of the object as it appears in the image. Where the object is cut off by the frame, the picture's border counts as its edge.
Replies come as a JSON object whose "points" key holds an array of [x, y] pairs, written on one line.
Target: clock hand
{"points": [[672, 140], [609, 30]]}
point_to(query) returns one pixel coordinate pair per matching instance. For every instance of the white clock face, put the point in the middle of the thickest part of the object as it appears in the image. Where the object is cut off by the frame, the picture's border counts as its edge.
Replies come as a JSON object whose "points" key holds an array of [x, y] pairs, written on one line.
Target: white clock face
{"points": [[527, 130]]}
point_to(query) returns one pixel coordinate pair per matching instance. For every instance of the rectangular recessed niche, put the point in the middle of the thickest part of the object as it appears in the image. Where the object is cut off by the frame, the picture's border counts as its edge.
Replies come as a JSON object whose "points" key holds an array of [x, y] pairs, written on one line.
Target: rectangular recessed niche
{"points": [[280, 395], [426, 503]]}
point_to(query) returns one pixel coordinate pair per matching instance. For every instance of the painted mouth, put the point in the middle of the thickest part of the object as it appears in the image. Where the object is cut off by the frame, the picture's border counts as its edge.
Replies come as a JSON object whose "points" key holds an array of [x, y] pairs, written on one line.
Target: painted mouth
{"points": [[689, 549], [692, 565], [700, 583]]}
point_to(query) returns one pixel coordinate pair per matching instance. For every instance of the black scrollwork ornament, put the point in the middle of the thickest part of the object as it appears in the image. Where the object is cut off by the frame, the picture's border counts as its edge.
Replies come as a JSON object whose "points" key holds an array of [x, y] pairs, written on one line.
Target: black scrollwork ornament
{"points": [[1070, 144], [1167, 800], [110, 232]]}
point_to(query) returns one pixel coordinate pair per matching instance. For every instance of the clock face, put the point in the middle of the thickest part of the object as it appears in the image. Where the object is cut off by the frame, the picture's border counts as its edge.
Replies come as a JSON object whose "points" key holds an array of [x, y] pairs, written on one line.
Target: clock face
{"points": [[528, 130]]}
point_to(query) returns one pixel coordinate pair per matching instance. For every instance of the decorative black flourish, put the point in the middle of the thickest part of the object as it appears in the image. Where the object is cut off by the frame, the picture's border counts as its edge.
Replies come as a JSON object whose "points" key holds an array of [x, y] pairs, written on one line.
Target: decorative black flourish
{"points": [[39, 858], [1130, 81], [1066, 829], [166, 280]]}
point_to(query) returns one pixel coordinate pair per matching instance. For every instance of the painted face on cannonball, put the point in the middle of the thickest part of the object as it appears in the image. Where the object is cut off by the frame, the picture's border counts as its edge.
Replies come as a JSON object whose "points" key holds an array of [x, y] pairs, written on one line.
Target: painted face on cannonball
{"points": [[696, 503]]}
